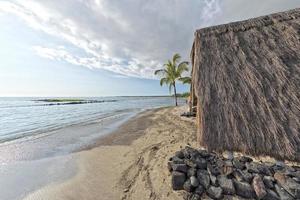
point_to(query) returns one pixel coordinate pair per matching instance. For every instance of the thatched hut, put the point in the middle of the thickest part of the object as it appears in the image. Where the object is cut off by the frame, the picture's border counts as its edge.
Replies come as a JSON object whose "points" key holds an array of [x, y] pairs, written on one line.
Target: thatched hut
{"points": [[246, 77]]}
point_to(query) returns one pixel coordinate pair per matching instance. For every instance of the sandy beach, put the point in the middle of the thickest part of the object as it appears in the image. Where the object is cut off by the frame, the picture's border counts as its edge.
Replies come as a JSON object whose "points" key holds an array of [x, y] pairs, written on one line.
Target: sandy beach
{"points": [[129, 163]]}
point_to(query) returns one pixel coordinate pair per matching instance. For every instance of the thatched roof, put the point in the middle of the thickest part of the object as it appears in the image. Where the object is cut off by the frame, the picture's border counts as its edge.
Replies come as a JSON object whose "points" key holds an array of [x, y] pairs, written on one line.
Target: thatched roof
{"points": [[246, 76]]}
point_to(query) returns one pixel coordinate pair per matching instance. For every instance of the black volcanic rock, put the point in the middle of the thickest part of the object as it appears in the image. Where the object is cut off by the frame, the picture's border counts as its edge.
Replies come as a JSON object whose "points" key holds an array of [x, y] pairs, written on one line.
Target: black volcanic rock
{"points": [[226, 185], [203, 178], [244, 189], [214, 192], [178, 180], [205, 175], [180, 168]]}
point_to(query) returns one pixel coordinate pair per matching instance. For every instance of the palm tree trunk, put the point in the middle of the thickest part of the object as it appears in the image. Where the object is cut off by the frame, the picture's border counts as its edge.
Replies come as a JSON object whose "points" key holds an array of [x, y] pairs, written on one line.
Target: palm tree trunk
{"points": [[175, 94]]}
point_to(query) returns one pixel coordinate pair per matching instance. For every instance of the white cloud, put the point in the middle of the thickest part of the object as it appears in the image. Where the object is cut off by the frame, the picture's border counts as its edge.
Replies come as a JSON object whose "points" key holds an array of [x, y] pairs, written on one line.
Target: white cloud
{"points": [[212, 11], [131, 38], [236, 10]]}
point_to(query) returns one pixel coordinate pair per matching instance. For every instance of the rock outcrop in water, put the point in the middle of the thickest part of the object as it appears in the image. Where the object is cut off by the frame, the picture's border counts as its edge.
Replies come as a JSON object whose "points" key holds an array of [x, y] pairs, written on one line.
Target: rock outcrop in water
{"points": [[58, 102], [205, 175]]}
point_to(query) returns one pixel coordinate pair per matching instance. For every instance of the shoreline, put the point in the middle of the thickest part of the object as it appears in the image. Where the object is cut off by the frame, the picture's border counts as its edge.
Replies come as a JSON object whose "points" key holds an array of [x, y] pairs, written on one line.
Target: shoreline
{"points": [[88, 122], [121, 135], [128, 163], [49, 157]]}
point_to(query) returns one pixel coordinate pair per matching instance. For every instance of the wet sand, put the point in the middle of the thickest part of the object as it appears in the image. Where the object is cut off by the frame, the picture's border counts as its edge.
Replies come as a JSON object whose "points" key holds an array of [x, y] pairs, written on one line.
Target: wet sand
{"points": [[129, 163]]}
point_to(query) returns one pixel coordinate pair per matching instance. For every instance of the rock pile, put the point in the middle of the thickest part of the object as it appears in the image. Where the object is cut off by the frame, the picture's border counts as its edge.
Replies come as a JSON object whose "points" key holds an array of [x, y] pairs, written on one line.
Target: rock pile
{"points": [[205, 175]]}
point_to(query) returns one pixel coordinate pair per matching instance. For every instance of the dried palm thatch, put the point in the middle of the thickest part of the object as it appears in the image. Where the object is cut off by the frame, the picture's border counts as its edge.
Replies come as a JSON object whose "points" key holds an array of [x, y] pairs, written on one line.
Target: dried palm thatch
{"points": [[246, 77]]}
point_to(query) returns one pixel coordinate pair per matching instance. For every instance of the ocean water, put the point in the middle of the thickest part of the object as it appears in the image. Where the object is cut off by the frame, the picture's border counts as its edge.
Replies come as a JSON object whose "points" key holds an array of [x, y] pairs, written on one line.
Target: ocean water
{"points": [[37, 140], [25, 117]]}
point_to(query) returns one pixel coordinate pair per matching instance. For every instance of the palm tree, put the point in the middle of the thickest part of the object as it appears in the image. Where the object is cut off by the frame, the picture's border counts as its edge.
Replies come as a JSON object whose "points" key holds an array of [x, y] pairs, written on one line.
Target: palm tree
{"points": [[172, 72]]}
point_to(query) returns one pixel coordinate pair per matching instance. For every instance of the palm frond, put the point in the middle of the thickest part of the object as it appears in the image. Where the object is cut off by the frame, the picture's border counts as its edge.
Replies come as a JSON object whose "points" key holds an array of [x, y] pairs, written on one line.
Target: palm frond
{"points": [[176, 58], [163, 81], [185, 80], [169, 64], [159, 71], [183, 66]]}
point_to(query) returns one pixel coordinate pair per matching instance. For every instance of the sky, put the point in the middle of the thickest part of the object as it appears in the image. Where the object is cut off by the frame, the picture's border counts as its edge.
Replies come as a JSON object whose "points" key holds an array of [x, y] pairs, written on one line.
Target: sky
{"points": [[105, 47]]}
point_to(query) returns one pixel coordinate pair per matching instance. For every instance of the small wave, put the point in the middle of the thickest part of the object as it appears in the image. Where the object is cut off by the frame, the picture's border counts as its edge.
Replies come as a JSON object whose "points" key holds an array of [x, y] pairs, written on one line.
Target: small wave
{"points": [[48, 130]]}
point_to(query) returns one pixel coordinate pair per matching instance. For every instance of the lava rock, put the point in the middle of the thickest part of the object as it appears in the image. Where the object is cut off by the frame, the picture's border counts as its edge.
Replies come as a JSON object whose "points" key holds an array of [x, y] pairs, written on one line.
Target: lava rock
{"points": [[201, 163], [220, 163], [178, 179], [226, 185], [187, 186], [289, 171], [231, 197], [252, 167], [179, 154], [243, 176], [186, 152], [203, 178], [227, 170], [176, 160], [243, 189], [199, 190], [259, 187], [245, 159], [213, 180], [297, 193], [205, 197], [269, 181], [203, 153], [194, 181], [282, 193], [213, 169], [192, 172], [205, 175], [290, 185], [228, 163], [238, 165], [214, 192], [296, 179], [280, 177], [180, 167], [191, 196], [293, 188], [271, 195], [195, 197], [263, 169], [189, 152], [295, 174], [279, 165], [190, 163]]}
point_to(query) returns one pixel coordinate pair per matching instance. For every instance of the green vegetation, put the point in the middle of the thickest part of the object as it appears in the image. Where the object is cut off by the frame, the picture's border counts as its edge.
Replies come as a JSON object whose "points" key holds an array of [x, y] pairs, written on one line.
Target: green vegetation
{"points": [[186, 80], [172, 72], [182, 95]]}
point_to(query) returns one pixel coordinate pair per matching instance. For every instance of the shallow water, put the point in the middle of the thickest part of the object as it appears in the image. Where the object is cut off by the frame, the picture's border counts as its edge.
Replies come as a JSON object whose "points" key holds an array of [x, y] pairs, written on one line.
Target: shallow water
{"points": [[36, 139], [22, 117]]}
